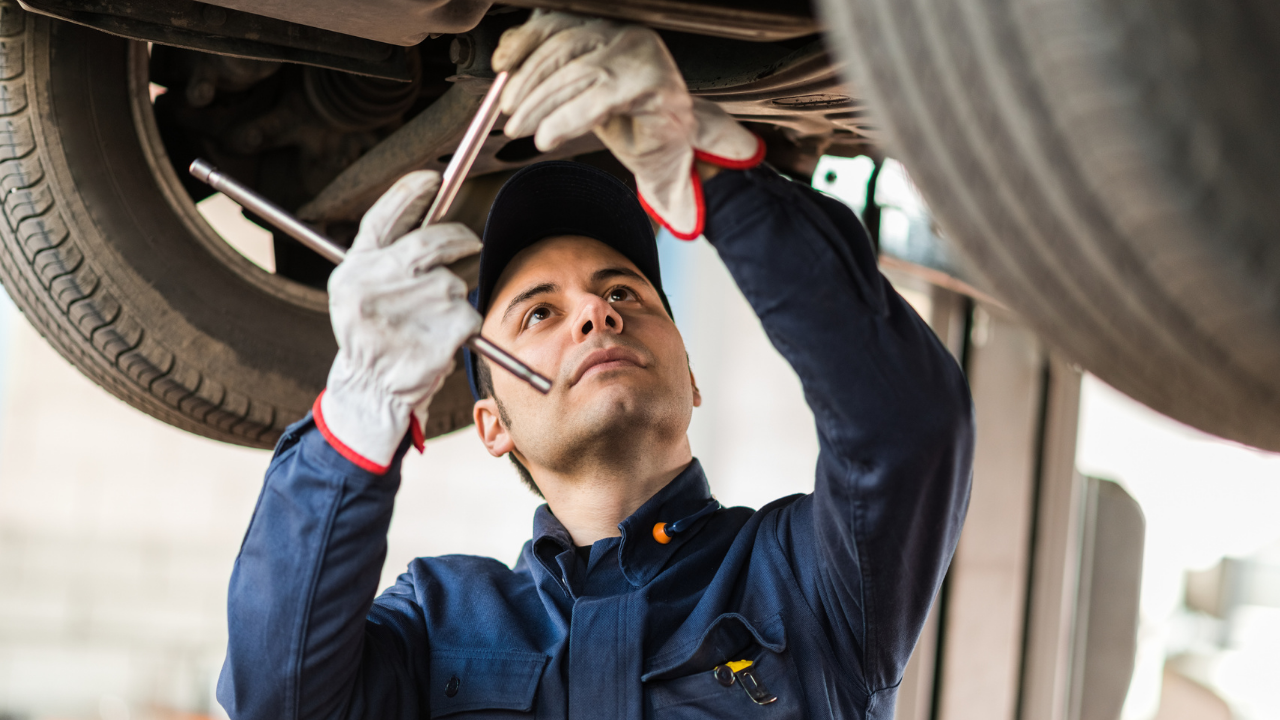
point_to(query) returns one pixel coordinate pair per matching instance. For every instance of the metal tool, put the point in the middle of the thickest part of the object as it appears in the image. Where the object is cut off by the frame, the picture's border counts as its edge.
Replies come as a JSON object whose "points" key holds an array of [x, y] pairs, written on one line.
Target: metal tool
{"points": [[454, 174], [468, 149]]}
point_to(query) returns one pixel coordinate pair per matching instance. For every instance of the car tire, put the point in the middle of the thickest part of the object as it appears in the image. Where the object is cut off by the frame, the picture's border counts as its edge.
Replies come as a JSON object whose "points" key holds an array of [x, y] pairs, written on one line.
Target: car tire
{"points": [[1112, 168], [109, 259]]}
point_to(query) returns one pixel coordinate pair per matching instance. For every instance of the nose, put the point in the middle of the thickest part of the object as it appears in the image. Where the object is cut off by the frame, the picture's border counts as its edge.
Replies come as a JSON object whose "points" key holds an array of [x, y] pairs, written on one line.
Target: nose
{"points": [[595, 316]]}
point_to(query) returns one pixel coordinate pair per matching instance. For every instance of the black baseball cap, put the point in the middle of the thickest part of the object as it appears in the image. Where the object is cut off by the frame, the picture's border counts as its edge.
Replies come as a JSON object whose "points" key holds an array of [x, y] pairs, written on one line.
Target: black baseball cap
{"points": [[559, 197]]}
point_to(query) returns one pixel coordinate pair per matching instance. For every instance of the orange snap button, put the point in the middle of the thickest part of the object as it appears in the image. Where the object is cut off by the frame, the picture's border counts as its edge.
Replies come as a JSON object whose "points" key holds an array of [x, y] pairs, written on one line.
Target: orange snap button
{"points": [[660, 533]]}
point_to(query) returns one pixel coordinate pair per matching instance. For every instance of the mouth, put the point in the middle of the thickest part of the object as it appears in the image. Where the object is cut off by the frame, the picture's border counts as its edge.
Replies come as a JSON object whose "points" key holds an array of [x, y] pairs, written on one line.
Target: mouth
{"points": [[605, 359]]}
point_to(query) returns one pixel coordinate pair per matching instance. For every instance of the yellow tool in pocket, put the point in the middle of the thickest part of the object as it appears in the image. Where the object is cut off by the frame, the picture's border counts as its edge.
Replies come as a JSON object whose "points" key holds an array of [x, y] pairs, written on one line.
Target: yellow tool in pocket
{"points": [[740, 672]]}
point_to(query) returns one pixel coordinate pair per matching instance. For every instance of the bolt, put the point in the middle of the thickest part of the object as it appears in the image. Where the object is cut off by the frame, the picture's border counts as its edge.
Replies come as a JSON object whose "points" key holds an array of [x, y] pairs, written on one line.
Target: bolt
{"points": [[462, 51], [200, 93]]}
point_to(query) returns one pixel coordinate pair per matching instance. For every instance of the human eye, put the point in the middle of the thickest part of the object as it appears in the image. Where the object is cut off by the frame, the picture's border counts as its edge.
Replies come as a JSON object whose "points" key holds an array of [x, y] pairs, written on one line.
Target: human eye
{"points": [[536, 315], [621, 293]]}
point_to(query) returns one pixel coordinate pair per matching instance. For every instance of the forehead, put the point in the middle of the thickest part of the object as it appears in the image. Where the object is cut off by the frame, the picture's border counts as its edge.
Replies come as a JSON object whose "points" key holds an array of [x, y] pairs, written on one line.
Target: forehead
{"points": [[558, 259]]}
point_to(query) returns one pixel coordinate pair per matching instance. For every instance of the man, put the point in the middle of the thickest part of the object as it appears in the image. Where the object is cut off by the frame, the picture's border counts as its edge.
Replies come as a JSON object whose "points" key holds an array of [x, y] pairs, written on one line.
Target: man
{"points": [[638, 596]]}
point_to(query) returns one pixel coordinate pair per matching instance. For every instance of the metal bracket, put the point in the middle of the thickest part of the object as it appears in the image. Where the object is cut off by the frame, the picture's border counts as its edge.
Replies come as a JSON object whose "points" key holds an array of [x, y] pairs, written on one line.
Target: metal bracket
{"points": [[730, 20], [209, 28]]}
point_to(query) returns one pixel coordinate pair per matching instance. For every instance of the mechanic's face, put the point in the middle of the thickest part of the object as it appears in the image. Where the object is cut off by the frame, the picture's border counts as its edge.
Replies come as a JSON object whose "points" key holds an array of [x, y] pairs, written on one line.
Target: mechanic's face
{"points": [[580, 313]]}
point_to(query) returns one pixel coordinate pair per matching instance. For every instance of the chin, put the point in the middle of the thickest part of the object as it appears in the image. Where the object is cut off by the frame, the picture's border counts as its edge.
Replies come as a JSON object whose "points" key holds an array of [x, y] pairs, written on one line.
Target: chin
{"points": [[612, 397], [622, 406], [613, 417]]}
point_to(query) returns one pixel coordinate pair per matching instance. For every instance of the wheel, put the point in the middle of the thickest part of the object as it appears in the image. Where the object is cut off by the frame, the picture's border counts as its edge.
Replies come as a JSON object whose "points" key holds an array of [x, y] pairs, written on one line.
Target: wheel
{"points": [[109, 258], [1111, 167]]}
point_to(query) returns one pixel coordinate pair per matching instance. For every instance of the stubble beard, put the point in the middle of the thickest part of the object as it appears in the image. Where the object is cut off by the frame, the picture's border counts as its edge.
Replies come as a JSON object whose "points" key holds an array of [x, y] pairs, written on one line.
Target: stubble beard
{"points": [[607, 437]]}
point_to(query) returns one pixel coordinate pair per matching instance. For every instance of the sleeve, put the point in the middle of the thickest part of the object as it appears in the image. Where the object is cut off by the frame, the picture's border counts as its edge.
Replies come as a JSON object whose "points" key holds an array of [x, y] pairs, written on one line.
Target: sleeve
{"points": [[302, 640], [894, 419]]}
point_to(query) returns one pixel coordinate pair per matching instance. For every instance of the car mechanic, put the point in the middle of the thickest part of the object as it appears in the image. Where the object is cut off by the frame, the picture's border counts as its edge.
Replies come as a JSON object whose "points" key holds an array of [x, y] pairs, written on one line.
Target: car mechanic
{"points": [[638, 596]]}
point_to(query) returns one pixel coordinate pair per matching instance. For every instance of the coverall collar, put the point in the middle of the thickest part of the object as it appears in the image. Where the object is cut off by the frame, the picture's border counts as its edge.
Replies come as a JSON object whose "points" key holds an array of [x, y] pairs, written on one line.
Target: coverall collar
{"points": [[640, 556]]}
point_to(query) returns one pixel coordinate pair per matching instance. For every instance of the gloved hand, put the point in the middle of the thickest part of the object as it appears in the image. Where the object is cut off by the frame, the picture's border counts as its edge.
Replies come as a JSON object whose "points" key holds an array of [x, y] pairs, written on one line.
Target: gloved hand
{"points": [[579, 74], [399, 316]]}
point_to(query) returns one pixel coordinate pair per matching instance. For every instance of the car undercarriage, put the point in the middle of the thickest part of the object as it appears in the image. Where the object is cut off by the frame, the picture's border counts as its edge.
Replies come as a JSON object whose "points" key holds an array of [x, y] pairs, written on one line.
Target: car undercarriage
{"points": [[320, 106]]}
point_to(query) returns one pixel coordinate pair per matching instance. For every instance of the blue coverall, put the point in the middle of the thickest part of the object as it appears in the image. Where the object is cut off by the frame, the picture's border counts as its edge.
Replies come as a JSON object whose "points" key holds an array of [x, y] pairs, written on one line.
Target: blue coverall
{"points": [[825, 593]]}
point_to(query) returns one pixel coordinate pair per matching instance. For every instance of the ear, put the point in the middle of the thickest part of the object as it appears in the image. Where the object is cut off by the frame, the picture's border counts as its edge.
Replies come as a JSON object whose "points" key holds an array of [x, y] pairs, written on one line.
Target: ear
{"points": [[697, 394], [489, 427]]}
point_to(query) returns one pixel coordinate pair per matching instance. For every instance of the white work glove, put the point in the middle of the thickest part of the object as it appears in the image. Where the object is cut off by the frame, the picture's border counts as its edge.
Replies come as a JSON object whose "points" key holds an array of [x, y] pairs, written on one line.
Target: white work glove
{"points": [[399, 316], [578, 75]]}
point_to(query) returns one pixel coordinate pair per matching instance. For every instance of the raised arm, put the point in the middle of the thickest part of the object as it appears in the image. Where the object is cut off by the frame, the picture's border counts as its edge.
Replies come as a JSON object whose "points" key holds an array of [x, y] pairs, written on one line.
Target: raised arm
{"points": [[301, 643], [893, 411], [894, 418], [305, 638]]}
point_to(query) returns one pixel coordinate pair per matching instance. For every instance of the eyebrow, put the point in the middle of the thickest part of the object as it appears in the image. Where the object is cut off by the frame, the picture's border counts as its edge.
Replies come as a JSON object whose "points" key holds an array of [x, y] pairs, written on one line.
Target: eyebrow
{"points": [[544, 288], [532, 292], [612, 272]]}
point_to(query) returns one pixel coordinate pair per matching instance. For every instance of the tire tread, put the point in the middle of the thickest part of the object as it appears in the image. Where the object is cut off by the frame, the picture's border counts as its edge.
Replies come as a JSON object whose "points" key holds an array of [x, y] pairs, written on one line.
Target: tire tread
{"points": [[1027, 126], [59, 291]]}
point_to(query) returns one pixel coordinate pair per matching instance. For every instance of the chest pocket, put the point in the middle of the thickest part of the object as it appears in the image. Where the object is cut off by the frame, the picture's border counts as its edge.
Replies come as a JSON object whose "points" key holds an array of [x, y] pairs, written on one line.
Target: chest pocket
{"points": [[483, 683], [713, 679]]}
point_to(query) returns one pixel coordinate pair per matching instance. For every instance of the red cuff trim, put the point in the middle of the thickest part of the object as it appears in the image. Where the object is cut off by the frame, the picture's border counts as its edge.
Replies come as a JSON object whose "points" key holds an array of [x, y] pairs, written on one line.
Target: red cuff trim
{"points": [[356, 458], [697, 199], [416, 435], [730, 163]]}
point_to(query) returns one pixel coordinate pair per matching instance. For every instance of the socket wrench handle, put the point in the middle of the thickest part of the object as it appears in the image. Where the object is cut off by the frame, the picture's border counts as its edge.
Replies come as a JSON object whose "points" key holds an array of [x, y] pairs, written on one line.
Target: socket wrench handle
{"points": [[203, 171], [206, 173], [468, 149]]}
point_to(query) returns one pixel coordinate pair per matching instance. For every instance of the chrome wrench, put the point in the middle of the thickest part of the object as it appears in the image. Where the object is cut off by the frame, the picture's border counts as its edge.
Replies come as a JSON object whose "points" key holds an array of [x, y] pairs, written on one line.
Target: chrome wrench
{"points": [[455, 172]]}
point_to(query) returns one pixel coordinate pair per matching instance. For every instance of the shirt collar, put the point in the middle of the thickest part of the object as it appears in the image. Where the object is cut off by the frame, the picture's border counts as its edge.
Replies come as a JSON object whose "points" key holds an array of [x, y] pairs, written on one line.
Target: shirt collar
{"points": [[640, 556]]}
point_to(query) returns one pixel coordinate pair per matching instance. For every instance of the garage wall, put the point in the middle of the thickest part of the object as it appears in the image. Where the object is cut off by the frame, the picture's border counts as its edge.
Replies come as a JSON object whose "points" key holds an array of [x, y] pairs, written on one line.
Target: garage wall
{"points": [[116, 536]]}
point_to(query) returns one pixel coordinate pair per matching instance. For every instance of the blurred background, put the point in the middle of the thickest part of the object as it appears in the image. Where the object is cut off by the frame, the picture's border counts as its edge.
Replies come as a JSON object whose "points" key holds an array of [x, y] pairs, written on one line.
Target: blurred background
{"points": [[118, 532]]}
